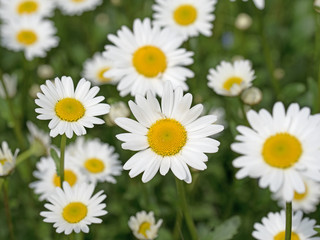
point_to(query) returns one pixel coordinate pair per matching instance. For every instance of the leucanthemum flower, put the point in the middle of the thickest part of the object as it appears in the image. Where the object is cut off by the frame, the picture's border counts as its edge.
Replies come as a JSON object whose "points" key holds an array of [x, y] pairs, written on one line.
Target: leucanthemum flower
{"points": [[170, 136], [230, 79], [146, 58], [273, 227], [70, 110], [96, 159], [187, 17], [39, 137], [306, 201], [7, 159], [77, 7], [73, 209], [95, 68], [144, 225], [30, 34], [48, 180], [279, 148], [17, 8], [258, 3]]}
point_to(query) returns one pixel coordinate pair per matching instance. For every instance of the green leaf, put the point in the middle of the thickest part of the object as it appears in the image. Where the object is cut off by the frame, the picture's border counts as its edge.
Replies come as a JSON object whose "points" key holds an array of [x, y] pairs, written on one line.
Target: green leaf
{"points": [[56, 159]]}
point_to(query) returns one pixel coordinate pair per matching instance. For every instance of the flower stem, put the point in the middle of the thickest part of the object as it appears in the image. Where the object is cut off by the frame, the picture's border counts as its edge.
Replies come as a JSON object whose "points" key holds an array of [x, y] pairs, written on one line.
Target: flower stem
{"points": [[288, 220], [185, 209], [62, 150], [25, 155], [7, 209]]}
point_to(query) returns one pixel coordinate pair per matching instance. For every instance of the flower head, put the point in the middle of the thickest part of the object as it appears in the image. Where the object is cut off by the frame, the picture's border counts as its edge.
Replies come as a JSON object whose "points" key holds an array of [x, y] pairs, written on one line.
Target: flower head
{"points": [[40, 138], [7, 159], [258, 3], [70, 110], [77, 7]]}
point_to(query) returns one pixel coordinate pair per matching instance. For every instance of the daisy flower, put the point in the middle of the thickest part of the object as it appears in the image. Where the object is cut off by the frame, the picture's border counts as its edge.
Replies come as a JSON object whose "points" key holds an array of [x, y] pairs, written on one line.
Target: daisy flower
{"points": [[144, 225], [48, 180], [39, 137], [73, 209], [96, 159], [187, 17], [10, 82], [258, 3], [30, 34], [230, 79], [7, 159], [95, 68], [273, 227], [17, 8], [70, 110], [279, 148], [147, 57], [306, 201], [170, 136], [77, 7]]}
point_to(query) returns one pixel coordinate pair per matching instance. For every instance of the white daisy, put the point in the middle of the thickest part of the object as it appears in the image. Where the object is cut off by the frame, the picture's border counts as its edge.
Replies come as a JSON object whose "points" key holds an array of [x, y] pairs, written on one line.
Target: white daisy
{"points": [[306, 201], [77, 7], [167, 137], [17, 8], [96, 159], [73, 209], [10, 82], [70, 110], [147, 57], [95, 68], [230, 79], [7, 159], [187, 17], [279, 148], [48, 180], [39, 137], [258, 3], [30, 34], [144, 225], [273, 227]]}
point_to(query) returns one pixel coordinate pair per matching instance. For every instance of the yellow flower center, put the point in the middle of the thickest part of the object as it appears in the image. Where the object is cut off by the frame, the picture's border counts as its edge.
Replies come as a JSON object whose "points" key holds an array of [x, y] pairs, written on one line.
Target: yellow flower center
{"points": [[144, 227], [69, 109], [281, 235], [281, 150], [27, 7], [300, 196], [3, 161], [101, 77], [166, 137], [227, 85], [69, 176], [74, 212], [27, 37], [94, 165], [149, 61], [185, 14]]}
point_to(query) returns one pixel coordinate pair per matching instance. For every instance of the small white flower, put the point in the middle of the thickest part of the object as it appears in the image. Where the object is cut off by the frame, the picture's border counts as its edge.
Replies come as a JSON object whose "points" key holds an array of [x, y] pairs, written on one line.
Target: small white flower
{"points": [[243, 21], [77, 7], [73, 209], [187, 17], [10, 82], [7, 160], [273, 227], [251, 96], [30, 34], [96, 159], [144, 226], [230, 79], [70, 110]]}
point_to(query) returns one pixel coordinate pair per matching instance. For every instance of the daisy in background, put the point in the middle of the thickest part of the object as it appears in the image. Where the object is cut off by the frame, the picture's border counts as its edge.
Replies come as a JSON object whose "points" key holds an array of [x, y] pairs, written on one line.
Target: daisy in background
{"points": [[73, 209], [306, 201], [95, 68], [258, 3], [279, 149], [11, 83], [187, 17], [11, 9], [146, 58], [230, 79], [70, 110], [7, 159], [144, 225], [97, 160], [40, 138], [170, 136], [48, 180], [30, 34], [273, 227], [77, 7]]}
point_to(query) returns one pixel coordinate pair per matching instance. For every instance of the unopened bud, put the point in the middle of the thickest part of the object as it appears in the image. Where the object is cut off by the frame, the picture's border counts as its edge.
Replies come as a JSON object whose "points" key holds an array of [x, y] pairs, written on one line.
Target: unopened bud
{"points": [[243, 21], [45, 71], [251, 96], [118, 109]]}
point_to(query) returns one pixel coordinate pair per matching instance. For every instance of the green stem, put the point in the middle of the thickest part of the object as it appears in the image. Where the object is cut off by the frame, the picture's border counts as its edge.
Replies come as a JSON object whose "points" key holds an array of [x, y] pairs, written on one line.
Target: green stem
{"points": [[288, 220], [185, 209], [62, 150], [7, 209], [177, 234], [25, 155]]}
